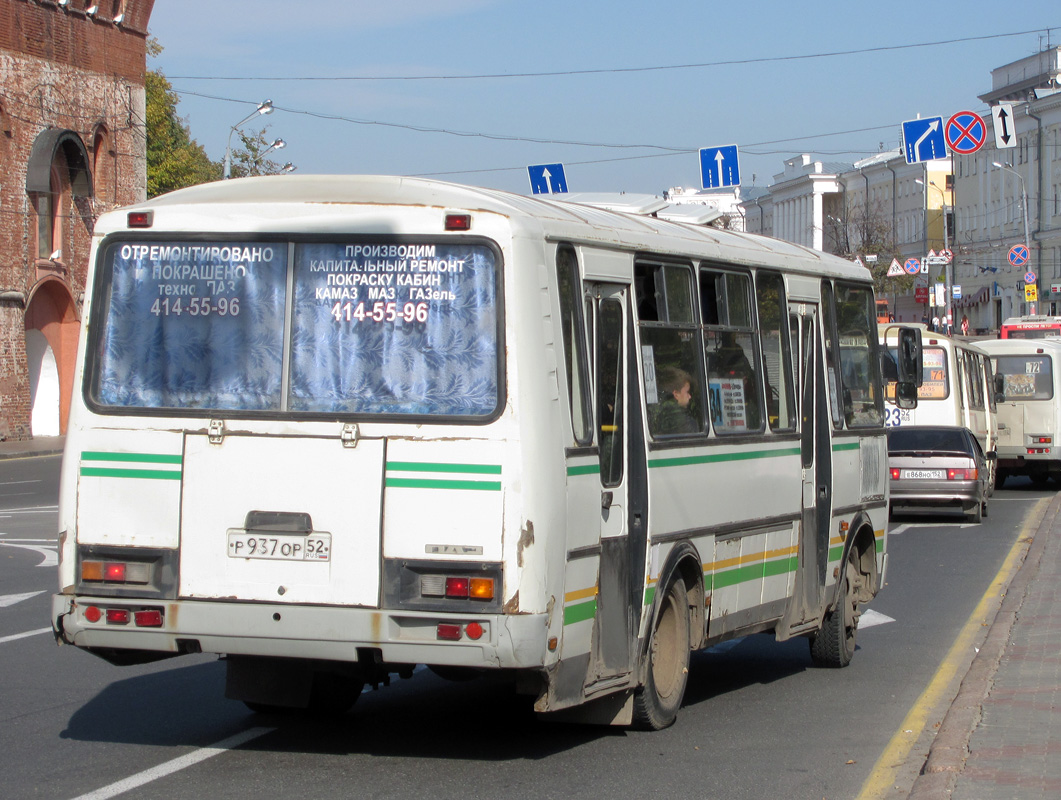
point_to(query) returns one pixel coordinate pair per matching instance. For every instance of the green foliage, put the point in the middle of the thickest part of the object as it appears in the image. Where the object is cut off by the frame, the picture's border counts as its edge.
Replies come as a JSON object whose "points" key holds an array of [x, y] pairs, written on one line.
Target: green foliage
{"points": [[174, 159], [249, 159]]}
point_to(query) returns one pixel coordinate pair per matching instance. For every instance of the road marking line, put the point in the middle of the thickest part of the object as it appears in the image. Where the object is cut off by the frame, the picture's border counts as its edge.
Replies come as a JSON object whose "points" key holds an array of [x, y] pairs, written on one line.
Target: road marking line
{"points": [[11, 599], [898, 529], [15, 636], [177, 764], [870, 618], [50, 558], [881, 779]]}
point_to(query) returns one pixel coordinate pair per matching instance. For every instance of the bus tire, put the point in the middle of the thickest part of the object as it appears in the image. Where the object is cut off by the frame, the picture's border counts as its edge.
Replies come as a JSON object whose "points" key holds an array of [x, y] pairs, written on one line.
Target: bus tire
{"points": [[833, 644], [657, 702]]}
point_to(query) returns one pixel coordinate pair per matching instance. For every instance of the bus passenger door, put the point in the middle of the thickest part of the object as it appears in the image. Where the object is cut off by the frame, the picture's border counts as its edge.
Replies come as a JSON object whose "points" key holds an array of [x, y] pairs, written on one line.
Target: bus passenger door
{"points": [[808, 599], [615, 626]]}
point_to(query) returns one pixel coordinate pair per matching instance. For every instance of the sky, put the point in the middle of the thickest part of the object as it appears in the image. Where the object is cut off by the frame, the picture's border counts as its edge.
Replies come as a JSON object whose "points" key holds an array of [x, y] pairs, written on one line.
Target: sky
{"points": [[455, 90]]}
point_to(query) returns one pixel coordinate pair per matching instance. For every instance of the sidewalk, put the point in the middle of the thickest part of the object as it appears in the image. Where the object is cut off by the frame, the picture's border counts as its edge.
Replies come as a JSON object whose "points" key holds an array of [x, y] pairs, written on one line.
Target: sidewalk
{"points": [[39, 446], [1002, 735]]}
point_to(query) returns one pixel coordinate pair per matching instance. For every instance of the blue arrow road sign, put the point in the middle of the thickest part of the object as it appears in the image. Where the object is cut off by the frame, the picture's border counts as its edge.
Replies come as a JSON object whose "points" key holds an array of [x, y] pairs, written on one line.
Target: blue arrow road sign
{"points": [[547, 179], [719, 167], [923, 139]]}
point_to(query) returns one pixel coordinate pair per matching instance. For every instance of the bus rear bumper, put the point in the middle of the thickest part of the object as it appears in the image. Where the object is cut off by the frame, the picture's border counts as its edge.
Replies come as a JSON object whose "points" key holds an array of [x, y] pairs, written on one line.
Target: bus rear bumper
{"points": [[307, 632]]}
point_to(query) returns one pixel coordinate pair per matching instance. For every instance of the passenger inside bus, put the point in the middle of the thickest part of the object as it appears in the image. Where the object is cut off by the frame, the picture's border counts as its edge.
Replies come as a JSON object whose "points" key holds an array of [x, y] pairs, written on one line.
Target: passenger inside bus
{"points": [[673, 414]]}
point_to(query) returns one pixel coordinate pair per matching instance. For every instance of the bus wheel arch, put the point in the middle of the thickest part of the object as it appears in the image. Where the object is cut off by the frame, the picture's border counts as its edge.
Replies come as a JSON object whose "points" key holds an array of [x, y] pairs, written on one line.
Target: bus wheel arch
{"points": [[676, 627]]}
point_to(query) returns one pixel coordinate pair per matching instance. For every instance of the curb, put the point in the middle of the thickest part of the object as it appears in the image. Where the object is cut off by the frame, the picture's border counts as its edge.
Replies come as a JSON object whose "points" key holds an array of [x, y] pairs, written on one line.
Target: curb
{"points": [[950, 748]]}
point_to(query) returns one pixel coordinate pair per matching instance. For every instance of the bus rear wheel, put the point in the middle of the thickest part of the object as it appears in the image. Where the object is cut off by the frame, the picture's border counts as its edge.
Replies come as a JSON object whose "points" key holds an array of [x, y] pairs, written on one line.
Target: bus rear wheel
{"points": [[656, 703], [833, 645]]}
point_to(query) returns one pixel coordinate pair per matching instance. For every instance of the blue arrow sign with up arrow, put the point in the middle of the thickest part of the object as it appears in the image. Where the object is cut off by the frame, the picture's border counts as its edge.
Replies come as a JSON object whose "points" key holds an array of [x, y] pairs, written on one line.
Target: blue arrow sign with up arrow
{"points": [[719, 167], [547, 179], [923, 139]]}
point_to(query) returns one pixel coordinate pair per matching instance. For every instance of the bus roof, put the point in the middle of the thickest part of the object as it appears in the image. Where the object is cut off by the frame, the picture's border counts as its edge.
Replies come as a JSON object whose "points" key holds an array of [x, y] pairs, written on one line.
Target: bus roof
{"points": [[198, 208], [1049, 344]]}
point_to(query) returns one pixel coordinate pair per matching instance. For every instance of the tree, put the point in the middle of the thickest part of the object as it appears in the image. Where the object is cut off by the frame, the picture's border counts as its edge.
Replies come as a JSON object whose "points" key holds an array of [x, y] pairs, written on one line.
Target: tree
{"points": [[174, 159], [866, 230], [249, 159]]}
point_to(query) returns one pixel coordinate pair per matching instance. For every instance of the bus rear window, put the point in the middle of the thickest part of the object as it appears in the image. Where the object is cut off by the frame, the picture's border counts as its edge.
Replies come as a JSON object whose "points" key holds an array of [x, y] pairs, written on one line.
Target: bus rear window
{"points": [[365, 329], [1026, 377]]}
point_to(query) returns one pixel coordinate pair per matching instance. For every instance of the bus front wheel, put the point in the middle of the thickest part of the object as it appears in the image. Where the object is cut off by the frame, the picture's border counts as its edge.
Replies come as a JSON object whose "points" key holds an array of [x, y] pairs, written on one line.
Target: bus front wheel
{"points": [[656, 703], [833, 645]]}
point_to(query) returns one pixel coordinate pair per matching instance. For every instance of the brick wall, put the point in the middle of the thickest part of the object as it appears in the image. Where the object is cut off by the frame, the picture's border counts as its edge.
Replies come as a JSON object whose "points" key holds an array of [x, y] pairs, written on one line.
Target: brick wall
{"points": [[60, 68]]}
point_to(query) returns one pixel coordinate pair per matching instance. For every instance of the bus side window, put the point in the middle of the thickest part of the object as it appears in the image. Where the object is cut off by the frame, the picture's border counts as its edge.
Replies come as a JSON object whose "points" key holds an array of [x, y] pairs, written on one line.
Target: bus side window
{"points": [[610, 391], [777, 358], [575, 361], [670, 353], [863, 403], [731, 352]]}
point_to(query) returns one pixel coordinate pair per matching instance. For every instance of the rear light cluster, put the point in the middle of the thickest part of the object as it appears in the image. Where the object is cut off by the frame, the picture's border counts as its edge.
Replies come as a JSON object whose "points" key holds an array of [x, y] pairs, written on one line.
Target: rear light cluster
{"points": [[455, 631], [457, 587], [1038, 451], [136, 572], [952, 474], [141, 618]]}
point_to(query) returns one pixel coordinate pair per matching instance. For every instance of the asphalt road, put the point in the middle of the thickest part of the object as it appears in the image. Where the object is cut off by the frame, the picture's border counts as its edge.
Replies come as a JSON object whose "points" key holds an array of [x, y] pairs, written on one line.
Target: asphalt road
{"points": [[759, 721]]}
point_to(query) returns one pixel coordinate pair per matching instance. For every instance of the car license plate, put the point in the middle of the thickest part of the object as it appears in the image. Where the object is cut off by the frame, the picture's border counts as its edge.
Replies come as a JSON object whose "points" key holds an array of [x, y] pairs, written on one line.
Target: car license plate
{"points": [[924, 474], [281, 547]]}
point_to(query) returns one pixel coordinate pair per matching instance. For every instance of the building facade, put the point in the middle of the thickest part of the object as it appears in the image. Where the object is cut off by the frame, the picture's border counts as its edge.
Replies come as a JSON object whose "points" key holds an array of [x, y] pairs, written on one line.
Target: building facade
{"points": [[72, 146], [1011, 195]]}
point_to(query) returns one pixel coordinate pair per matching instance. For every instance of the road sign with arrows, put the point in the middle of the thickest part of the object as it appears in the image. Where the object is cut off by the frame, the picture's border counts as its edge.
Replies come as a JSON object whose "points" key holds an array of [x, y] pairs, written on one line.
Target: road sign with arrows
{"points": [[1005, 130]]}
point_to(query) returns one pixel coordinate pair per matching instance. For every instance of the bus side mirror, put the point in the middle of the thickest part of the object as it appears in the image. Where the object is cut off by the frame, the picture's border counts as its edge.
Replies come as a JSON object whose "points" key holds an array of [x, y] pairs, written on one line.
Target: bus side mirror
{"points": [[910, 367], [905, 394]]}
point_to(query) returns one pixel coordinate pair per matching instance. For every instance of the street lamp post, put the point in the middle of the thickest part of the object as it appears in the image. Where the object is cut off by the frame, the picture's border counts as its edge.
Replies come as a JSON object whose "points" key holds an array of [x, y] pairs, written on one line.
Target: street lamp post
{"points": [[265, 107], [1024, 196], [948, 278], [278, 144]]}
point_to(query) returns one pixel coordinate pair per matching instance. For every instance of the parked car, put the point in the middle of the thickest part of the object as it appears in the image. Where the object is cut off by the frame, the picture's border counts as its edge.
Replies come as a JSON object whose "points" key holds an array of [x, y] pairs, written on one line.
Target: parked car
{"points": [[938, 466]]}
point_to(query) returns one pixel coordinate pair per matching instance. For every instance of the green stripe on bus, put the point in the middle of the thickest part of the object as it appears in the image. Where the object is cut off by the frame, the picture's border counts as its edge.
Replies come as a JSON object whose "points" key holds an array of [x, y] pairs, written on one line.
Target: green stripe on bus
{"points": [[417, 466], [845, 446], [141, 458], [650, 595], [584, 469], [714, 458], [153, 474], [580, 612], [427, 483], [752, 572]]}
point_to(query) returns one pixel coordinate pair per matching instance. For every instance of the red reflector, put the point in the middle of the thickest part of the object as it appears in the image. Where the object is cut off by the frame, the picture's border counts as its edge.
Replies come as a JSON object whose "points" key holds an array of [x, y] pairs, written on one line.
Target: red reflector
{"points": [[448, 631], [93, 614], [114, 572], [458, 587], [458, 222], [474, 630], [139, 219], [151, 618], [117, 616]]}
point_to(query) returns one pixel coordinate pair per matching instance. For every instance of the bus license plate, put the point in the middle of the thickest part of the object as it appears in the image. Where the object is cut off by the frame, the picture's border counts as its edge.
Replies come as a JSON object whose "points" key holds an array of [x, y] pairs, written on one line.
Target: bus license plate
{"points": [[924, 474], [281, 547]]}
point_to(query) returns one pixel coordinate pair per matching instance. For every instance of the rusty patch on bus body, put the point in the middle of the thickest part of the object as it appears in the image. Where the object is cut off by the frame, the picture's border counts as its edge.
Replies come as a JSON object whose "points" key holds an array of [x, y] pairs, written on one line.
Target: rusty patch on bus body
{"points": [[526, 539]]}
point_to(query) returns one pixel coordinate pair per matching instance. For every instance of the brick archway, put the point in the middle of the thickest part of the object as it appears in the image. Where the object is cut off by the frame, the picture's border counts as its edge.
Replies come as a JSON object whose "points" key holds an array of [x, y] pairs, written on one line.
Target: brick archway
{"points": [[52, 311]]}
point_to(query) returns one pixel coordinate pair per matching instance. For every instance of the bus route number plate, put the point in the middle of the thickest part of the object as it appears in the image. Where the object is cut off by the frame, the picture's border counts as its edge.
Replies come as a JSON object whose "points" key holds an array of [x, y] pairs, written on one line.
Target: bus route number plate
{"points": [[280, 547]]}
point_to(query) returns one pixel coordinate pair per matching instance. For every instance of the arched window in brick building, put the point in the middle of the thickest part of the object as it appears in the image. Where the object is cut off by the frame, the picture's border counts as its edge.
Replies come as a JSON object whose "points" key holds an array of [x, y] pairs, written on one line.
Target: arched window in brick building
{"points": [[103, 168], [57, 169]]}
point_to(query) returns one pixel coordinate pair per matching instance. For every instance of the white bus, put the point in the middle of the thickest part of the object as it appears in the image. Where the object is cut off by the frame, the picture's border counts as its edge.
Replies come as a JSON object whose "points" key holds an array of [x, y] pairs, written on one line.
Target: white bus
{"points": [[332, 427], [957, 389], [1029, 413]]}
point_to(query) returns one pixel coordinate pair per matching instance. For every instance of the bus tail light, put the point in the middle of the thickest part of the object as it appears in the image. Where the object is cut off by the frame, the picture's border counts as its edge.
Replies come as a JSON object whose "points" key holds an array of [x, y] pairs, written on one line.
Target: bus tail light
{"points": [[117, 616], [115, 572], [458, 222], [139, 219], [148, 618], [457, 587], [1042, 439]]}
